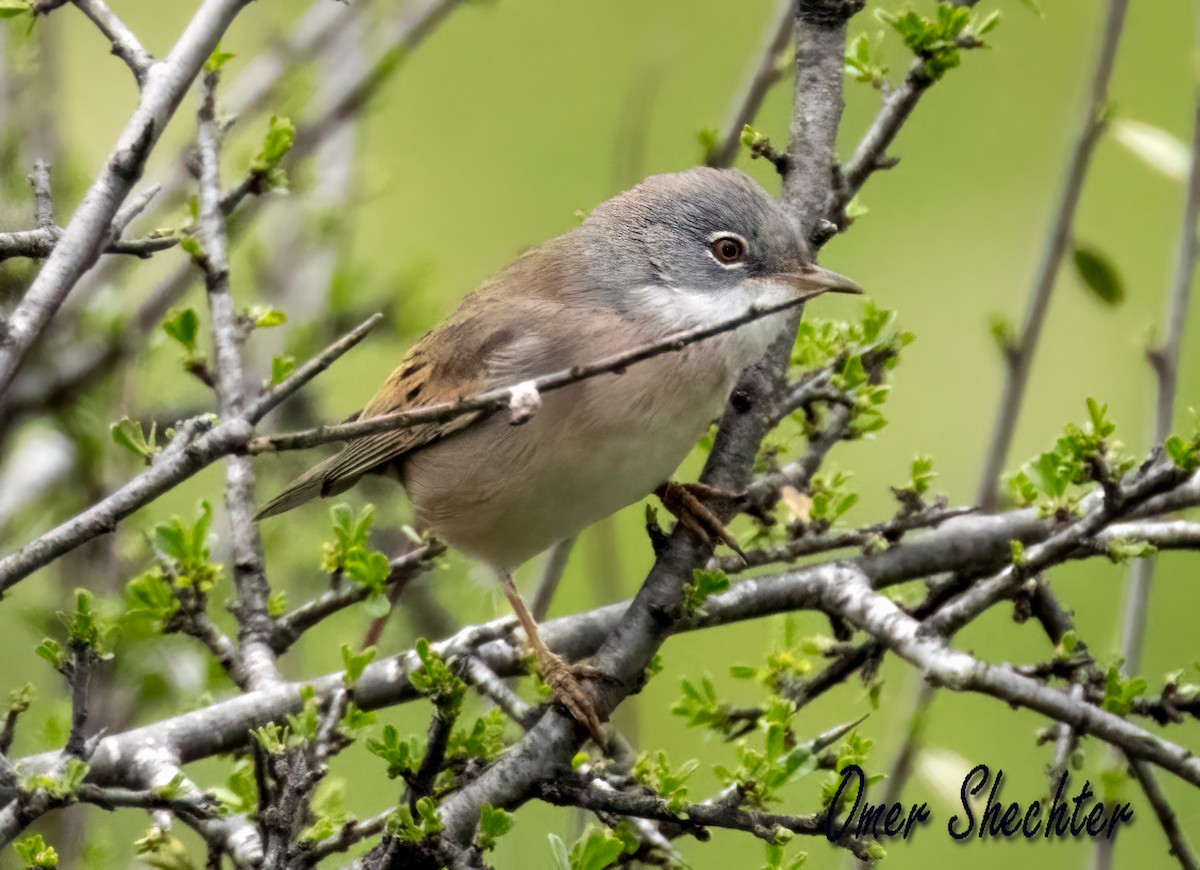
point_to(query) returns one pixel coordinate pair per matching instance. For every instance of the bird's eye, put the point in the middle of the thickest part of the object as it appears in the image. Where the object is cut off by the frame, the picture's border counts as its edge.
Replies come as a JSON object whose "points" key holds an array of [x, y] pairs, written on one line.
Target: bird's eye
{"points": [[727, 249]]}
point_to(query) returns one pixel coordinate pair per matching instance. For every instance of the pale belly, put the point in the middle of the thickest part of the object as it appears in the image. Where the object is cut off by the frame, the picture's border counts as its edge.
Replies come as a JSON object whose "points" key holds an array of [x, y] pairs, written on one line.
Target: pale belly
{"points": [[504, 493]]}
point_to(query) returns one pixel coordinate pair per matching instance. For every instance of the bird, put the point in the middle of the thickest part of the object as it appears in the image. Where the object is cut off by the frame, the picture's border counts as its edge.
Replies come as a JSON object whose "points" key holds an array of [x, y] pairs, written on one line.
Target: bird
{"points": [[676, 251]]}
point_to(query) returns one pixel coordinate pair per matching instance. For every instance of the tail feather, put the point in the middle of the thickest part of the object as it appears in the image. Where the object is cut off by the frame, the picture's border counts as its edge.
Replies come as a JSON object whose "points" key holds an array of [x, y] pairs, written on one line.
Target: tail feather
{"points": [[317, 482]]}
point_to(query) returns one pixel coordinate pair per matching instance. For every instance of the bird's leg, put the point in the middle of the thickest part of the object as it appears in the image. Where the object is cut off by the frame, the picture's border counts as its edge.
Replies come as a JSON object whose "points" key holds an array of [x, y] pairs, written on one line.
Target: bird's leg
{"points": [[686, 501], [563, 677]]}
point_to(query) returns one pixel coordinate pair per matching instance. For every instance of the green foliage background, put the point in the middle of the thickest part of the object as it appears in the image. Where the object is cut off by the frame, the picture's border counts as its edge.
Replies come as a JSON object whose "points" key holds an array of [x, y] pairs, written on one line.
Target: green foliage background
{"points": [[520, 112]]}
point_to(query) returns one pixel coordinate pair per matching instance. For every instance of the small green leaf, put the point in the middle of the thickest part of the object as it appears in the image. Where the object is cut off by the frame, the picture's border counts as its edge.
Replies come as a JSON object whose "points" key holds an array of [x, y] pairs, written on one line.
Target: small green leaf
{"points": [[128, 433], [33, 850], [11, 9], [183, 325], [266, 317], [704, 584], [355, 663], [281, 367], [218, 59], [191, 247], [493, 824], [52, 651], [1098, 273]]}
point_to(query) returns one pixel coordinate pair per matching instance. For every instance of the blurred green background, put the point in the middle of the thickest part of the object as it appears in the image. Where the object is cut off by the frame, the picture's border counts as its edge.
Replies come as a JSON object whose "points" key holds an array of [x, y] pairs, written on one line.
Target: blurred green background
{"points": [[488, 139]]}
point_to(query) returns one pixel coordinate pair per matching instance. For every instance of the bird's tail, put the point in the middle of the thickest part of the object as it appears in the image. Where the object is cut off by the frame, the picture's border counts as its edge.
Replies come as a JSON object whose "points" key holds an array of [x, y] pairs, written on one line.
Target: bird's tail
{"points": [[317, 482]]}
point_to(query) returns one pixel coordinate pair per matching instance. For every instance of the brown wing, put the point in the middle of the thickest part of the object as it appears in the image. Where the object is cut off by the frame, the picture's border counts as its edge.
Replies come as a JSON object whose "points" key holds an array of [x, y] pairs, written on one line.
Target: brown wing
{"points": [[457, 360], [428, 375]]}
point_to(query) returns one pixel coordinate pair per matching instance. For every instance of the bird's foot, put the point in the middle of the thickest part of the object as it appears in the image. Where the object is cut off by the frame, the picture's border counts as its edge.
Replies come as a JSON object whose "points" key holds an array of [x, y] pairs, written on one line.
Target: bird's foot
{"points": [[566, 681], [689, 503]]}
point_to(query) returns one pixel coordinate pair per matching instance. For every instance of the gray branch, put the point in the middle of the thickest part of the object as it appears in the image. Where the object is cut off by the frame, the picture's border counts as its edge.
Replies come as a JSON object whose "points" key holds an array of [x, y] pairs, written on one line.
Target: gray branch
{"points": [[87, 233], [1019, 357], [249, 573]]}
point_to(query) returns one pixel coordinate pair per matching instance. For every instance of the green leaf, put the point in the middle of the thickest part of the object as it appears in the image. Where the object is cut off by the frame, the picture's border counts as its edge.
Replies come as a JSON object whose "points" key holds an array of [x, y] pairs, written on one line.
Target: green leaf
{"points": [[1119, 692], [20, 699], [266, 317], [1122, 551], [271, 737], [277, 603], [1186, 455], [402, 756], [191, 247], [435, 679], [183, 325], [281, 367], [183, 551], [218, 59], [33, 850], [355, 663], [1098, 274], [596, 849], [11, 9], [562, 860], [281, 134], [52, 651], [704, 584], [493, 824], [128, 433]]}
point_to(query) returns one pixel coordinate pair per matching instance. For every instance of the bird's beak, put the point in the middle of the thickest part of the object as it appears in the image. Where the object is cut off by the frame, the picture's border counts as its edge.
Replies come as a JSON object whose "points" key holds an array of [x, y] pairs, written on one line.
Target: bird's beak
{"points": [[813, 280]]}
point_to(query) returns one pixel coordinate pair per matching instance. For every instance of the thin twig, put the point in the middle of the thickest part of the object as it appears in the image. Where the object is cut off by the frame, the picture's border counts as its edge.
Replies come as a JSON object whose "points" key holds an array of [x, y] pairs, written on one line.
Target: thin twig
{"points": [[501, 397], [1165, 360], [249, 573], [124, 44], [196, 445], [764, 74], [552, 574], [85, 235], [1019, 357]]}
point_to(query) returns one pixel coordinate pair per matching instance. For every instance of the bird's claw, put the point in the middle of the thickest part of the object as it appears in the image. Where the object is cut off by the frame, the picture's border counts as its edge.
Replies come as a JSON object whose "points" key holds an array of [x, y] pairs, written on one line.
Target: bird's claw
{"points": [[565, 680], [687, 502]]}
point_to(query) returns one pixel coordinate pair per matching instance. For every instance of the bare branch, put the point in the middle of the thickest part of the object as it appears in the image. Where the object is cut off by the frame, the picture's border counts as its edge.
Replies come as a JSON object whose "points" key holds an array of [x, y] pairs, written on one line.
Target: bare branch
{"points": [[85, 235], [43, 205], [1165, 360], [124, 44], [1165, 814], [197, 444], [501, 398], [764, 75], [249, 574], [1019, 358]]}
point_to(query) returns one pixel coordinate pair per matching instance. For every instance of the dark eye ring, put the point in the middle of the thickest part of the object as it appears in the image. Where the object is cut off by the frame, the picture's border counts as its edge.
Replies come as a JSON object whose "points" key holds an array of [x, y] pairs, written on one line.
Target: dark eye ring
{"points": [[727, 249]]}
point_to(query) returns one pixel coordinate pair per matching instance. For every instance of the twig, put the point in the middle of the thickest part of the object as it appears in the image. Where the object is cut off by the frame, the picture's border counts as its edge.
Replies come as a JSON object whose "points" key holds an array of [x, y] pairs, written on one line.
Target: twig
{"points": [[491, 686], [1165, 813], [249, 574], [196, 444], [1019, 357], [552, 574], [501, 397], [43, 204], [573, 790], [870, 154], [1165, 360], [124, 44], [85, 234], [289, 627], [764, 75]]}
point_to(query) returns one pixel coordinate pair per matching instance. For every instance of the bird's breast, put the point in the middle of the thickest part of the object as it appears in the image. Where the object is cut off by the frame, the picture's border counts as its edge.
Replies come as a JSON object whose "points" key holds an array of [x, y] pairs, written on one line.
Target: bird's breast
{"points": [[504, 493]]}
